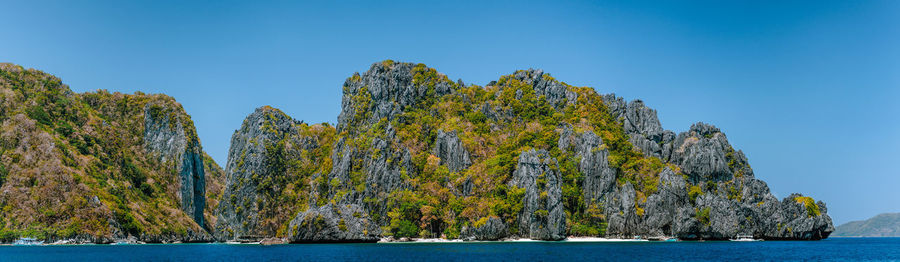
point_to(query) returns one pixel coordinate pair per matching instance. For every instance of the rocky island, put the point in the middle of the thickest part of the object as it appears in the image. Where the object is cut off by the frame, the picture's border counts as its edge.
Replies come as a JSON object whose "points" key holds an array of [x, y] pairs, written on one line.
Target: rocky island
{"points": [[413, 155]]}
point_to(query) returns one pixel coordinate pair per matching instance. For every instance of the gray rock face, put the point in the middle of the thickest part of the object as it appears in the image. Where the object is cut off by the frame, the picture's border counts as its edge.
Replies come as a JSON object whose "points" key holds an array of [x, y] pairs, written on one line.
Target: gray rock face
{"points": [[599, 177], [450, 149], [715, 215], [730, 201], [701, 154], [644, 129], [493, 229], [641, 124], [167, 139], [767, 219], [736, 204], [237, 213], [496, 113], [333, 223], [795, 222], [556, 93], [382, 93], [189, 237], [543, 216], [615, 105], [640, 119], [661, 211], [622, 219], [726, 218], [389, 89], [382, 172]]}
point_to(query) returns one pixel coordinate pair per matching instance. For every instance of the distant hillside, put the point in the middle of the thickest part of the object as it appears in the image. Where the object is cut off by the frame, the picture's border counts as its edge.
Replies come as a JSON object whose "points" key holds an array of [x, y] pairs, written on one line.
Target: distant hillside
{"points": [[883, 225]]}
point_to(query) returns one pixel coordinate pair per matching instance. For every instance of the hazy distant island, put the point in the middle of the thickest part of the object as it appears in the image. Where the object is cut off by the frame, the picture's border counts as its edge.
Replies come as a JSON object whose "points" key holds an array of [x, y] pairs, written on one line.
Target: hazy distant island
{"points": [[413, 155], [882, 225]]}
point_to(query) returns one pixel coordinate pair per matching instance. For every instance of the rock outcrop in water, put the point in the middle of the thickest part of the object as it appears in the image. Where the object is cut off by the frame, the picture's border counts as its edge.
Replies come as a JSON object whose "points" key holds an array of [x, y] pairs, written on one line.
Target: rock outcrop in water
{"points": [[492, 229], [413, 155], [333, 223], [417, 155], [271, 162], [727, 200]]}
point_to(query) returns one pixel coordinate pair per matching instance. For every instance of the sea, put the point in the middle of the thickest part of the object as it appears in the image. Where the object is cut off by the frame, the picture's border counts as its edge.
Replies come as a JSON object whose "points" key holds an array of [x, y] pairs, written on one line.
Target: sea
{"points": [[832, 249]]}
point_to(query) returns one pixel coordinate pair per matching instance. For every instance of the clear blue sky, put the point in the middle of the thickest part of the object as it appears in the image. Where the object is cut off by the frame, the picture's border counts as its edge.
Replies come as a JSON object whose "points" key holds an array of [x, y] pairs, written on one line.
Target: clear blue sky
{"points": [[809, 90]]}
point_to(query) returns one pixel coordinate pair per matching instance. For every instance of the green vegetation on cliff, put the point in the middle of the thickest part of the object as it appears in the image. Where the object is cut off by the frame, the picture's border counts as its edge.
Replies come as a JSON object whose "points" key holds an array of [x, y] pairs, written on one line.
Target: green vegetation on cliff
{"points": [[273, 164], [77, 165], [432, 202], [413, 155]]}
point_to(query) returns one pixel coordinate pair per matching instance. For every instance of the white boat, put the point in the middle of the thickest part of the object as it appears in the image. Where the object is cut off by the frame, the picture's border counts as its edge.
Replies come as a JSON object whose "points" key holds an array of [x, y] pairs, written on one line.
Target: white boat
{"points": [[745, 238], [235, 242], [662, 239], [28, 241]]}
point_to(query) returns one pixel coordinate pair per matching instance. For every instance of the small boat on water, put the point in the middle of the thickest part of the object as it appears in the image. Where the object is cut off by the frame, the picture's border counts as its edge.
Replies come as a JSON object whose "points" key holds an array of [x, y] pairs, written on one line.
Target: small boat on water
{"points": [[28, 241], [234, 242], [745, 238], [662, 239]]}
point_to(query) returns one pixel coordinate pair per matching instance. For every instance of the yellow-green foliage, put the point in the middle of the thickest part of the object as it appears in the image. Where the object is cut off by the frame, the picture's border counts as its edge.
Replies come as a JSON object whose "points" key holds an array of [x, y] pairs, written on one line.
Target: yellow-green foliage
{"points": [[361, 102], [694, 192], [703, 216], [812, 210], [84, 147], [734, 192], [284, 189], [342, 225], [480, 222], [494, 144]]}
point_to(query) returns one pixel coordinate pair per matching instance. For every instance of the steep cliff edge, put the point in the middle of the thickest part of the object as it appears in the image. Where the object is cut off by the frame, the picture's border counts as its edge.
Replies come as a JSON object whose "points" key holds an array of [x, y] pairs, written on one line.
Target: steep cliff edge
{"points": [[417, 155], [274, 171], [723, 198], [165, 137], [97, 167]]}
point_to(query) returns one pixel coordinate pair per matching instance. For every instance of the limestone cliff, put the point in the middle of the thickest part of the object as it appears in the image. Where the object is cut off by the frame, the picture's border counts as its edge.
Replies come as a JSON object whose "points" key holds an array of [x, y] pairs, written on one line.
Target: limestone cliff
{"points": [[97, 166], [274, 174], [542, 215], [166, 138], [414, 154]]}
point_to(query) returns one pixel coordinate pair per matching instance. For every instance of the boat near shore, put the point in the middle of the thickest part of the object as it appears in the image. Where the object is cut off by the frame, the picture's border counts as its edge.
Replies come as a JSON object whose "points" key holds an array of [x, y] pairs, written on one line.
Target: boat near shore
{"points": [[662, 239], [28, 241], [744, 238]]}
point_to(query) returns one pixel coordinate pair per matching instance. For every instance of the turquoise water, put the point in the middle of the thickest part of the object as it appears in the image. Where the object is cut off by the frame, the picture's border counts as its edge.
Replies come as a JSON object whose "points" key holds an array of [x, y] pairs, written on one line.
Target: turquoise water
{"points": [[829, 249]]}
